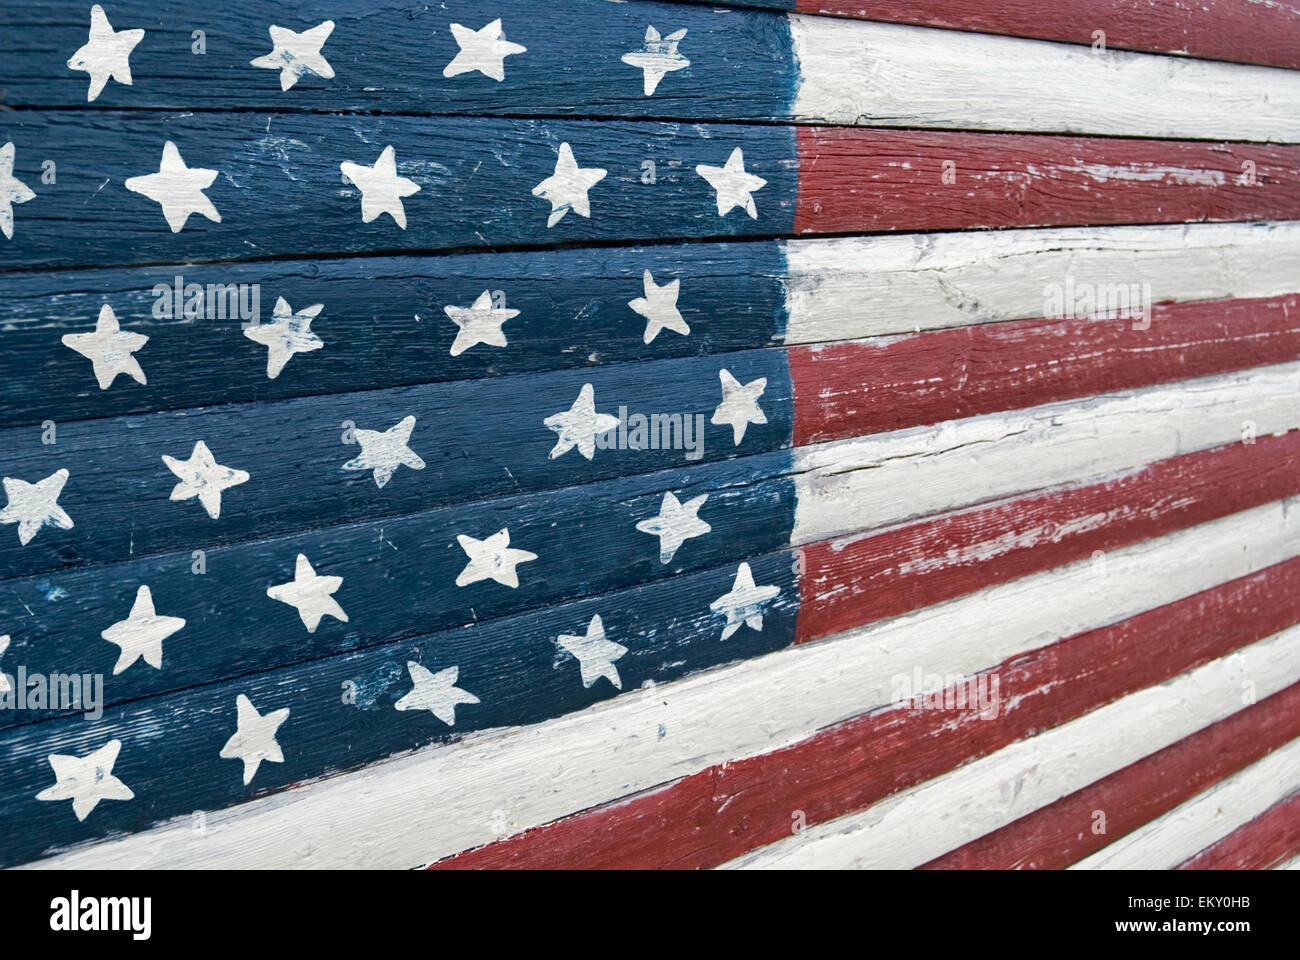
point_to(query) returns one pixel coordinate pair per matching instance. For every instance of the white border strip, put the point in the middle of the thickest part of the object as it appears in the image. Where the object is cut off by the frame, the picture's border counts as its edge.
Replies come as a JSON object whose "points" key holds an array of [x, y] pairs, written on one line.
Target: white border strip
{"points": [[855, 287], [447, 798], [885, 74], [1204, 820], [917, 825]]}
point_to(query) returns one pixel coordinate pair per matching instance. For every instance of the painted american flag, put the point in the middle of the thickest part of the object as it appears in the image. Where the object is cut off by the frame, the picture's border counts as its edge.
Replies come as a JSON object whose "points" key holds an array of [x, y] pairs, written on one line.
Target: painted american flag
{"points": [[654, 434]]}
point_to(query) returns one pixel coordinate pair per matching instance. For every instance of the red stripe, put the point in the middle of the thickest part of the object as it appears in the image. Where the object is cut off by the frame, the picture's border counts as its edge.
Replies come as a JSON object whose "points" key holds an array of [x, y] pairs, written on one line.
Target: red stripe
{"points": [[861, 179], [727, 810], [863, 387], [1264, 33], [1060, 834], [1270, 839], [852, 582]]}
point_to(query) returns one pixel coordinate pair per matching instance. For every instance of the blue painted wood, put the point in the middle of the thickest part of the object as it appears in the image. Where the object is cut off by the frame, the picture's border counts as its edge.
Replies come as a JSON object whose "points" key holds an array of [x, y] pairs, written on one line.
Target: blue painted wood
{"points": [[382, 324], [171, 745], [478, 439], [389, 55], [280, 191], [399, 578]]}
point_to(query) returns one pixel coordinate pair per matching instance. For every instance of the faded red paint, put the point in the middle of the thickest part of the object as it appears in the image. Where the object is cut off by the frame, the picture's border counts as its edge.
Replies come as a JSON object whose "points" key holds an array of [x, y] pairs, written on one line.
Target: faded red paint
{"points": [[1270, 839], [857, 388], [1060, 833], [855, 581], [1264, 33], [725, 811], [854, 179]]}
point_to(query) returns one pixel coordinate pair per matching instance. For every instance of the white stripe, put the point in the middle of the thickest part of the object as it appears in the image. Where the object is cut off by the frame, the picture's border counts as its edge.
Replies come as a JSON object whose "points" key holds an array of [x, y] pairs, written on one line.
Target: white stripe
{"points": [[893, 75], [1205, 819], [867, 482], [917, 825], [848, 288], [446, 798], [1292, 864]]}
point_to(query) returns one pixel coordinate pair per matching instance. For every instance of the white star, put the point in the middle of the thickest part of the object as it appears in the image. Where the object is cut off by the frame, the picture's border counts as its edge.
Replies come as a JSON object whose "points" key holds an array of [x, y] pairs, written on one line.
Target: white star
{"points": [[202, 477], [254, 738], [296, 54], [579, 425], [480, 323], [287, 333], [735, 187], [385, 451], [744, 603], [567, 187], [492, 558], [86, 780], [109, 349], [594, 653], [381, 188], [739, 406], [177, 188], [482, 50], [12, 190], [676, 523], [311, 594], [32, 506], [657, 57], [659, 307], [142, 633], [5, 685], [435, 692], [107, 53]]}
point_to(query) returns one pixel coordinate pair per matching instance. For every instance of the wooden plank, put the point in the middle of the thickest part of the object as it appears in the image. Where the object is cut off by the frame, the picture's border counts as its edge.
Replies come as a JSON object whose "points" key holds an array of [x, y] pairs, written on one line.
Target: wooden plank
{"points": [[1265, 842], [1062, 833], [1170, 839], [275, 172], [725, 811], [1239, 30], [231, 630], [856, 580], [860, 388], [743, 65], [575, 307], [912, 827], [386, 813], [890, 75], [118, 490]]}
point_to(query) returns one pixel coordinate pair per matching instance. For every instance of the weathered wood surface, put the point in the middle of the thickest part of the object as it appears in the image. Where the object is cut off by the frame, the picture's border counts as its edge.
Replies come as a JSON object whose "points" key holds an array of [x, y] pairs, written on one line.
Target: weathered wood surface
{"points": [[720, 813], [747, 709], [575, 307], [277, 173], [1049, 838], [743, 65], [1270, 839], [1240, 30]]}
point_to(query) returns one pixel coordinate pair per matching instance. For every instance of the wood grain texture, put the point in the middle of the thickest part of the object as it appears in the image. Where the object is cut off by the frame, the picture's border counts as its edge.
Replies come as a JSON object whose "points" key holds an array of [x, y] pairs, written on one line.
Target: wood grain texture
{"points": [[1167, 841], [1270, 839], [1235, 30], [1061, 833], [861, 388], [574, 307], [276, 172], [520, 778], [725, 811], [889, 75], [855, 180], [912, 827], [743, 65], [864, 483], [852, 581]]}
